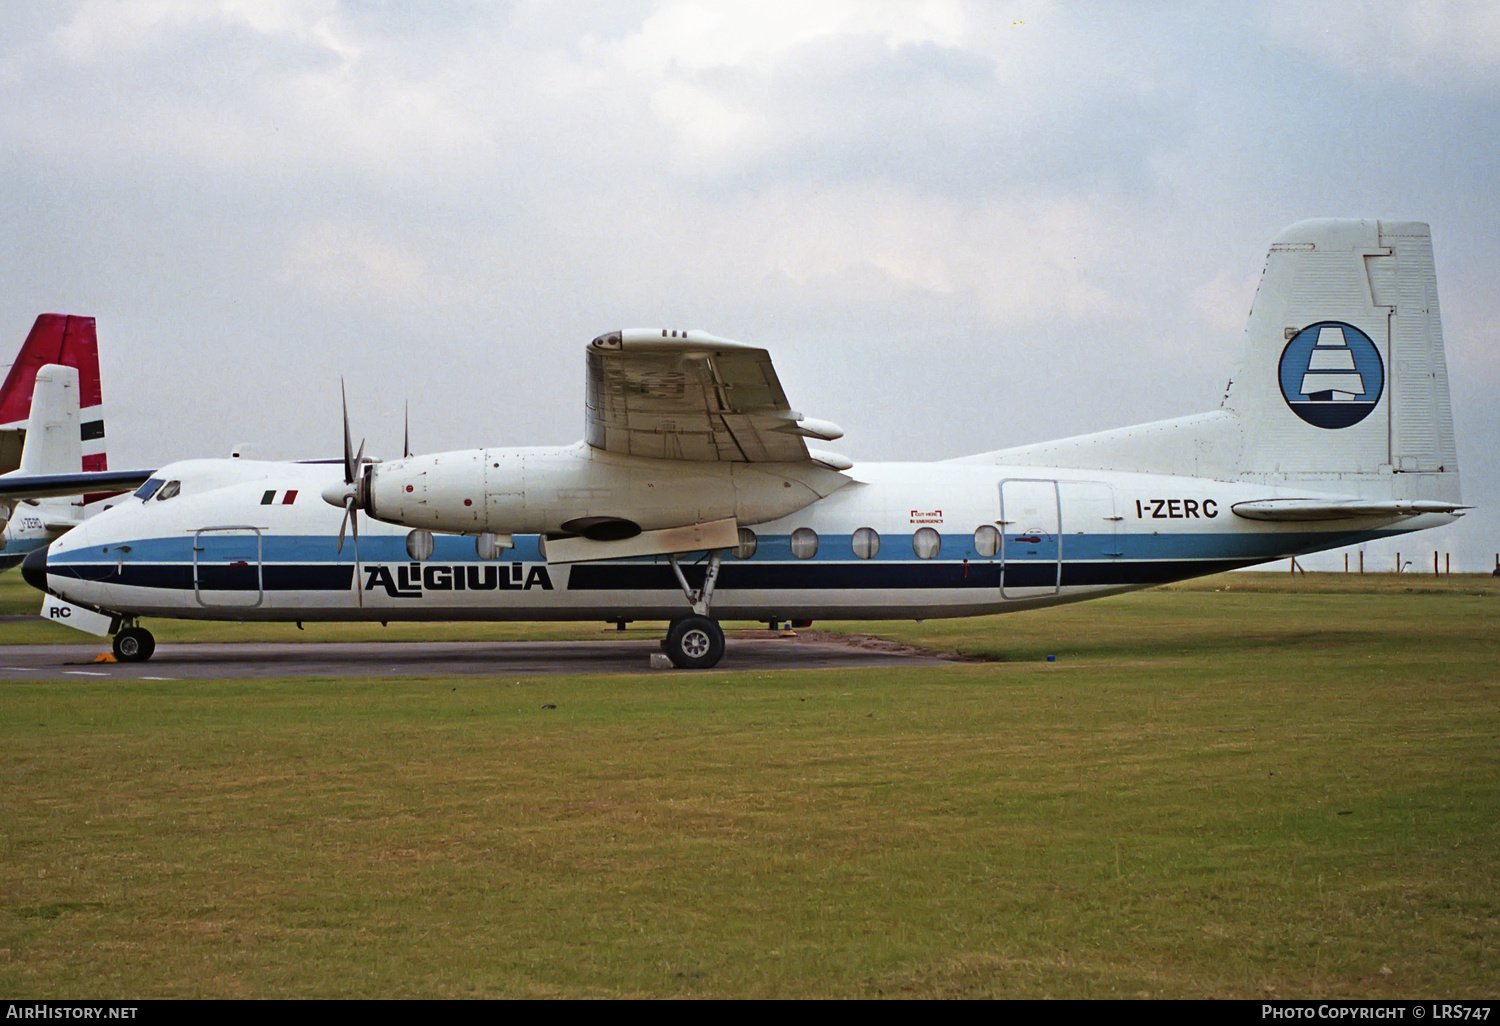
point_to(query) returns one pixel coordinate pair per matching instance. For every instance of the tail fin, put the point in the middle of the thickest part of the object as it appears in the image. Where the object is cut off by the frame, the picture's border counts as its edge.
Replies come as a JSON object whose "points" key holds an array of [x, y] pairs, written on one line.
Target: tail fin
{"points": [[53, 444], [1342, 383], [1341, 387], [70, 342]]}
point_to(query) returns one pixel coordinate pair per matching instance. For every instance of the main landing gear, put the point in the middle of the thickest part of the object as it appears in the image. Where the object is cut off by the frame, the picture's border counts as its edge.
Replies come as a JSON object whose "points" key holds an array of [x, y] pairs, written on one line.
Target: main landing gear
{"points": [[134, 644], [696, 642]]}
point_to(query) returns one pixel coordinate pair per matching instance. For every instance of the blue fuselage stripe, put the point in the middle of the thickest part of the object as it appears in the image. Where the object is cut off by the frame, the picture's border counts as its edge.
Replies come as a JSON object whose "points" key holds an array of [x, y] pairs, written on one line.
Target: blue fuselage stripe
{"points": [[291, 563]]}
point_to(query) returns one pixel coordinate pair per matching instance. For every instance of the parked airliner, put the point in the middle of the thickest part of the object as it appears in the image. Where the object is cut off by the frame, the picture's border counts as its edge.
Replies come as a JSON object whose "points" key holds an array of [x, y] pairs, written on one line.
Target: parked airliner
{"points": [[695, 497], [53, 466]]}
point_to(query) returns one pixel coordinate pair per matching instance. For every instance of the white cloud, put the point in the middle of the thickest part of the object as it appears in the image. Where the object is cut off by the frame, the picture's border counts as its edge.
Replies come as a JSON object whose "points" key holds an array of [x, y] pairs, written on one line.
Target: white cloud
{"points": [[353, 264], [1019, 261], [1436, 44], [1090, 185], [741, 82], [1224, 301], [101, 27], [701, 34]]}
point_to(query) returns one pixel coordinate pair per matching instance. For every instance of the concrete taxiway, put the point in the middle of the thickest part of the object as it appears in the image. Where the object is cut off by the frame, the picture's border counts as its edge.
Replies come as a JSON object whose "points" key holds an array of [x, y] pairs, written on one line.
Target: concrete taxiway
{"points": [[440, 658]]}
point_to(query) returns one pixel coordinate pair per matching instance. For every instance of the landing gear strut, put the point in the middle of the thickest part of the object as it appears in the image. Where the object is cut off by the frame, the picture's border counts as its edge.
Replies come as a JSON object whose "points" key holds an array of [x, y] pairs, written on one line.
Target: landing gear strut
{"points": [[134, 645], [696, 642]]}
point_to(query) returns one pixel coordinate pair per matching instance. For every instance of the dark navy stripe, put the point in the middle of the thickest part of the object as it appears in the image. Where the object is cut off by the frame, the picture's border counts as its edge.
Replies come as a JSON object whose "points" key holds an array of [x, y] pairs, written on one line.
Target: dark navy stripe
{"points": [[314, 577], [585, 577], [788, 576]]}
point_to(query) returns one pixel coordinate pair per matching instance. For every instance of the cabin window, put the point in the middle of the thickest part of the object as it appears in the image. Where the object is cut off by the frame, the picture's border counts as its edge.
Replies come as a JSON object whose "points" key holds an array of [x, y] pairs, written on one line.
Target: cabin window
{"points": [[866, 543], [148, 489], [926, 542], [746, 547], [804, 543], [168, 490], [419, 545], [486, 545], [987, 540]]}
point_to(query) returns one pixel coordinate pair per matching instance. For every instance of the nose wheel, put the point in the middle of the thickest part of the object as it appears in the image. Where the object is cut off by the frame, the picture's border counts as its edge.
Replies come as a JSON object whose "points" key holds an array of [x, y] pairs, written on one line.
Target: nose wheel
{"points": [[694, 643], [134, 645]]}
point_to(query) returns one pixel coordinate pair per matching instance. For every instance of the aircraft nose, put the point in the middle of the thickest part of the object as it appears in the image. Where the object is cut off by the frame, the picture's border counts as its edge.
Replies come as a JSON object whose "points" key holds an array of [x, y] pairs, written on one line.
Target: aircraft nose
{"points": [[34, 568]]}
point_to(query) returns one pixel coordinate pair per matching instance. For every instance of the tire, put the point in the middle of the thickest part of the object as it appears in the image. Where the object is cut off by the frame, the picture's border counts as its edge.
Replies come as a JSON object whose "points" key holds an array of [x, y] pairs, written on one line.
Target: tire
{"points": [[695, 643], [134, 645]]}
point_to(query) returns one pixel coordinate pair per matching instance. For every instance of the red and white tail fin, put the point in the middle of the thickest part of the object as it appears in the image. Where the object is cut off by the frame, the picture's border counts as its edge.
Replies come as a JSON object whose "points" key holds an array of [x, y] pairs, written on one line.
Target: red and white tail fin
{"points": [[55, 339]]}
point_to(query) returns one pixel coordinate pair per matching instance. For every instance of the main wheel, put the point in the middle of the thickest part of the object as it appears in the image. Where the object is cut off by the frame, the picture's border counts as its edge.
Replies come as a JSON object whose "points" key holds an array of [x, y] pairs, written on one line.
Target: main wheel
{"points": [[695, 643], [134, 645]]}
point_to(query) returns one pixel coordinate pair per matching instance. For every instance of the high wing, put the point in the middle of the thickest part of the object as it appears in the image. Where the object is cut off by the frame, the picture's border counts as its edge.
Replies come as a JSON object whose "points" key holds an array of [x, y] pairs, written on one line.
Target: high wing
{"points": [[687, 395], [20, 485]]}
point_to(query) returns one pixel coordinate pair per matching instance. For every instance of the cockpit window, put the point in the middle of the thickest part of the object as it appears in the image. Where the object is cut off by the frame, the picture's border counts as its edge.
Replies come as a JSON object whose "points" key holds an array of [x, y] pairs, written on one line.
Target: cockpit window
{"points": [[148, 489], [168, 490]]}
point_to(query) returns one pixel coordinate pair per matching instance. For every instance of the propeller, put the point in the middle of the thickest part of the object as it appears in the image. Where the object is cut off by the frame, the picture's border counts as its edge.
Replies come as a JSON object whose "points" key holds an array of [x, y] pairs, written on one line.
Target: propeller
{"points": [[354, 492]]}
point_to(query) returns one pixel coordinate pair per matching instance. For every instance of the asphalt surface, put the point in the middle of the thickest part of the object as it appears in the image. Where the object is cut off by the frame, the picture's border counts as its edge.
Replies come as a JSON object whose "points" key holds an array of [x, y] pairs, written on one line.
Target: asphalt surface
{"points": [[455, 658]]}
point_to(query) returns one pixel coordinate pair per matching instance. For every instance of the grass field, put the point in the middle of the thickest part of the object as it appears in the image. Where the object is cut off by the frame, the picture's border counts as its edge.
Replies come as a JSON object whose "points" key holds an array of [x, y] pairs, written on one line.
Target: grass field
{"points": [[1256, 786]]}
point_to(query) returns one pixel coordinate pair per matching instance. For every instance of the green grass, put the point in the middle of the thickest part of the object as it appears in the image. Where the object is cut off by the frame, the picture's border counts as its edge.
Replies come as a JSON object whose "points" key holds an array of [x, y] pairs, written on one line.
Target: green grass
{"points": [[1284, 789]]}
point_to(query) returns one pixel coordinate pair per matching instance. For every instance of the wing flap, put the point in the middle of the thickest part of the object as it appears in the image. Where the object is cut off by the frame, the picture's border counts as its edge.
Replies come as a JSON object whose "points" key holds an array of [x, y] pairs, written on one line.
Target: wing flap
{"points": [[716, 534]]}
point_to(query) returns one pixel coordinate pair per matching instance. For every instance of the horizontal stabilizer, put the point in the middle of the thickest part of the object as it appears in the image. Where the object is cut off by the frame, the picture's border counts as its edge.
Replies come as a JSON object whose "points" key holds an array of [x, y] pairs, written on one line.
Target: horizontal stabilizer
{"points": [[718, 534], [1298, 510]]}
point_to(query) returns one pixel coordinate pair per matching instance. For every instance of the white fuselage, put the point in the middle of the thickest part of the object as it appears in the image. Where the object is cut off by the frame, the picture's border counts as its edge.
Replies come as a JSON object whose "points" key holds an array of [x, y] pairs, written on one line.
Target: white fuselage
{"points": [[244, 540]]}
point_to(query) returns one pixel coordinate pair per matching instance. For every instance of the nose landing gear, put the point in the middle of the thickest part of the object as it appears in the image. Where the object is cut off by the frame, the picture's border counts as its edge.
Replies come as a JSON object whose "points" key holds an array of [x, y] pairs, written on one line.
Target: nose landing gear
{"points": [[134, 645]]}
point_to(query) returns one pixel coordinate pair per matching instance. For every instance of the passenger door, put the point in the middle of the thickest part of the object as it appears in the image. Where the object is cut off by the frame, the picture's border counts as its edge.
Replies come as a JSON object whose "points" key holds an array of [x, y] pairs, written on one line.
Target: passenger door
{"points": [[227, 567], [1029, 538]]}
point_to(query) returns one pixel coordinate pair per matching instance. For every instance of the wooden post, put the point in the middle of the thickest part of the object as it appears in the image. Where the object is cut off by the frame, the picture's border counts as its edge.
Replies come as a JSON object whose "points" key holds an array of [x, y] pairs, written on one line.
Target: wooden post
{"points": [[1398, 562], [1346, 562], [1434, 563], [1362, 561]]}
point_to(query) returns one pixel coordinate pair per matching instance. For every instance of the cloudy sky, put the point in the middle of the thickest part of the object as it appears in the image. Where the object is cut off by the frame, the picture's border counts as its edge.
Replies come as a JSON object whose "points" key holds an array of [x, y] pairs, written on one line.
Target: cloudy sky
{"points": [[957, 225]]}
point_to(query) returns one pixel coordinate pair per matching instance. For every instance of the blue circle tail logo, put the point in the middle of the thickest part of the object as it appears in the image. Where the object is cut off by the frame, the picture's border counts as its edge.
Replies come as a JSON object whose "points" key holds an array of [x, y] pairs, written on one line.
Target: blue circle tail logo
{"points": [[1331, 374]]}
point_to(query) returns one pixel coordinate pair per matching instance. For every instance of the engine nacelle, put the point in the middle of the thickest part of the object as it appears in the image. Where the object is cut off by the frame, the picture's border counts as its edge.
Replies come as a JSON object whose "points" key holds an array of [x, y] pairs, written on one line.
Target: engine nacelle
{"points": [[579, 490]]}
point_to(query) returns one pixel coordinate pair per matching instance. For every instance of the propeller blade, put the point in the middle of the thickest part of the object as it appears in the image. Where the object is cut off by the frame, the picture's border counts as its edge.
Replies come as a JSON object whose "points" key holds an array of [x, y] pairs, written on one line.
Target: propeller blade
{"points": [[348, 442], [348, 512], [359, 593], [406, 438]]}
